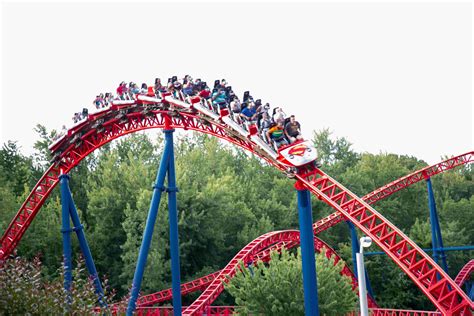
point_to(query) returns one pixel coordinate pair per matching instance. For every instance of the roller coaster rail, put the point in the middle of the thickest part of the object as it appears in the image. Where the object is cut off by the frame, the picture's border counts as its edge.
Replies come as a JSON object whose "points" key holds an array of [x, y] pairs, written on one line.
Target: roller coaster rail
{"points": [[191, 114], [321, 225]]}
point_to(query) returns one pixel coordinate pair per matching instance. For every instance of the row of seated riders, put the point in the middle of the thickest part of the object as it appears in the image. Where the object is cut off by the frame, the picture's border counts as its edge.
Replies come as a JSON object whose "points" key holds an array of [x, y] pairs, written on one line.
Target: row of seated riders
{"points": [[277, 128]]}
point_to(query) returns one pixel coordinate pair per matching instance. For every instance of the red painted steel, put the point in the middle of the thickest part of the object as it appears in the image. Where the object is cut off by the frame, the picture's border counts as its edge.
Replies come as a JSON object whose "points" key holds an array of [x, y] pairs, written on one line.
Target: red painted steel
{"points": [[397, 185], [28, 210], [443, 293], [400, 312], [113, 129], [186, 288], [168, 311], [417, 176], [465, 273], [202, 283], [248, 252], [230, 310], [386, 191]]}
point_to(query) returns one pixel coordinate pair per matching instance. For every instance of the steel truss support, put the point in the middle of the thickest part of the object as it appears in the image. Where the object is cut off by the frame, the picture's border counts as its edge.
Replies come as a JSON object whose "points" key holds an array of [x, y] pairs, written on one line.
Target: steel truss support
{"points": [[69, 212], [355, 250], [166, 168], [436, 239], [310, 284]]}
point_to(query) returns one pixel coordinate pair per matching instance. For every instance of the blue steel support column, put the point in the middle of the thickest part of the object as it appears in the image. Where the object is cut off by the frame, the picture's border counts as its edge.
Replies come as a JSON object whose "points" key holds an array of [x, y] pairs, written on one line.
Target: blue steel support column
{"points": [[150, 223], [470, 290], [354, 244], [250, 267], [173, 220], [355, 250], [310, 285], [437, 241], [66, 231], [78, 228]]}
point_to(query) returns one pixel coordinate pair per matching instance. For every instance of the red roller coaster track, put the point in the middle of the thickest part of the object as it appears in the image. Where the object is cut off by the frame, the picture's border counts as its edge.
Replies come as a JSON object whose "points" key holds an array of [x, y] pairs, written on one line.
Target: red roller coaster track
{"points": [[443, 292], [325, 223], [465, 273], [203, 282]]}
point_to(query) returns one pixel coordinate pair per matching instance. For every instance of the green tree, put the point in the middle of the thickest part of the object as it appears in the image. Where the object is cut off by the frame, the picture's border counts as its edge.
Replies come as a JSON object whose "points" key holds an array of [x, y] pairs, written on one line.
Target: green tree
{"points": [[277, 288], [335, 154], [24, 292], [15, 168]]}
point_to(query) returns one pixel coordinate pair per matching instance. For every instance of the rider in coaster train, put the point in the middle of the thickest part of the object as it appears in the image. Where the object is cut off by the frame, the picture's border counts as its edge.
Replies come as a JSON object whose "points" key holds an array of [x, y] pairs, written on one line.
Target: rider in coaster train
{"points": [[293, 130]]}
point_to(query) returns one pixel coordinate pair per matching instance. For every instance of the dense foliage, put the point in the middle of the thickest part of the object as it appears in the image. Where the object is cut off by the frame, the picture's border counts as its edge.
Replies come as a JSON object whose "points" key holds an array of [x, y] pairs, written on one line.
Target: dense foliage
{"points": [[23, 291], [226, 199], [276, 288]]}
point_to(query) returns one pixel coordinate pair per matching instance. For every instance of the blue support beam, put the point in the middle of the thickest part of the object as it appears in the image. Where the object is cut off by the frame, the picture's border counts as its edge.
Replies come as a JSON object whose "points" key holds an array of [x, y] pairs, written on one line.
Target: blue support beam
{"points": [[437, 240], [470, 290], [68, 204], [79, 229], [158, 188], [310, 285], [173, 221], [355, 250], [66, 231], [250, 267], [166, 168]]}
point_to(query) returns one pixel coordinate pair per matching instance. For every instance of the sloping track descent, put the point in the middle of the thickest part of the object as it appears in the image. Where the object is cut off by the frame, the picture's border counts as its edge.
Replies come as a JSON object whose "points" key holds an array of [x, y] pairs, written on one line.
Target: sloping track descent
{"points": [[202, 283], [465, 273], [116, 122], [381, 193]]}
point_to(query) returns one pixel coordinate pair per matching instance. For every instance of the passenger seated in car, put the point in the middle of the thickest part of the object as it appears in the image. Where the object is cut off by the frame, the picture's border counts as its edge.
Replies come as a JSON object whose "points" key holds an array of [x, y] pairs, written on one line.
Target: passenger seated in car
{"points": [[279, 115], [144, 89], [99, 101], [85, 113], [108, 98], [293, 130], [249, 114], [121, 90], [205, 93], [265, 124], [77, 117], [247, 97], [177, 86], [158, 86], [188, 86], [277, 135], [219, 100], [235, 109]]}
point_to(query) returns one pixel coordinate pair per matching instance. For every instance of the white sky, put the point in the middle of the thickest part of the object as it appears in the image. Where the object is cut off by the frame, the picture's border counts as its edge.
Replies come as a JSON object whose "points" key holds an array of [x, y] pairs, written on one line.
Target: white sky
{"points": [[391, 77]]}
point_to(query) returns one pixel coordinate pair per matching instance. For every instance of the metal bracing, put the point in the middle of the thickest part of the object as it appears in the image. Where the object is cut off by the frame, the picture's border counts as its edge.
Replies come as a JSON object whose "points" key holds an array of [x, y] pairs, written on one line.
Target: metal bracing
{"points": [[173, 222], [444, 294], [166, 168], [310, 284], [436, 239], [69, 212], [66, 231], [355, 250]]}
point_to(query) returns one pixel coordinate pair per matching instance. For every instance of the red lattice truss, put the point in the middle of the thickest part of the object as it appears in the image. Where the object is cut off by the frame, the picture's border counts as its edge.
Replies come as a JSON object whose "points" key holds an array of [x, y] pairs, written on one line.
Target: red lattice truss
{"points": [[202, 283], [465, 273], [444, 293]]}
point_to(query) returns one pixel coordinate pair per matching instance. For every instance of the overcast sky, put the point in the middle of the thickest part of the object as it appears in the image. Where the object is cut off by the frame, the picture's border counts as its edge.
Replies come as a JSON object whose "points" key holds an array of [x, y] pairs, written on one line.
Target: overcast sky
{"points": [[390, 77]]}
